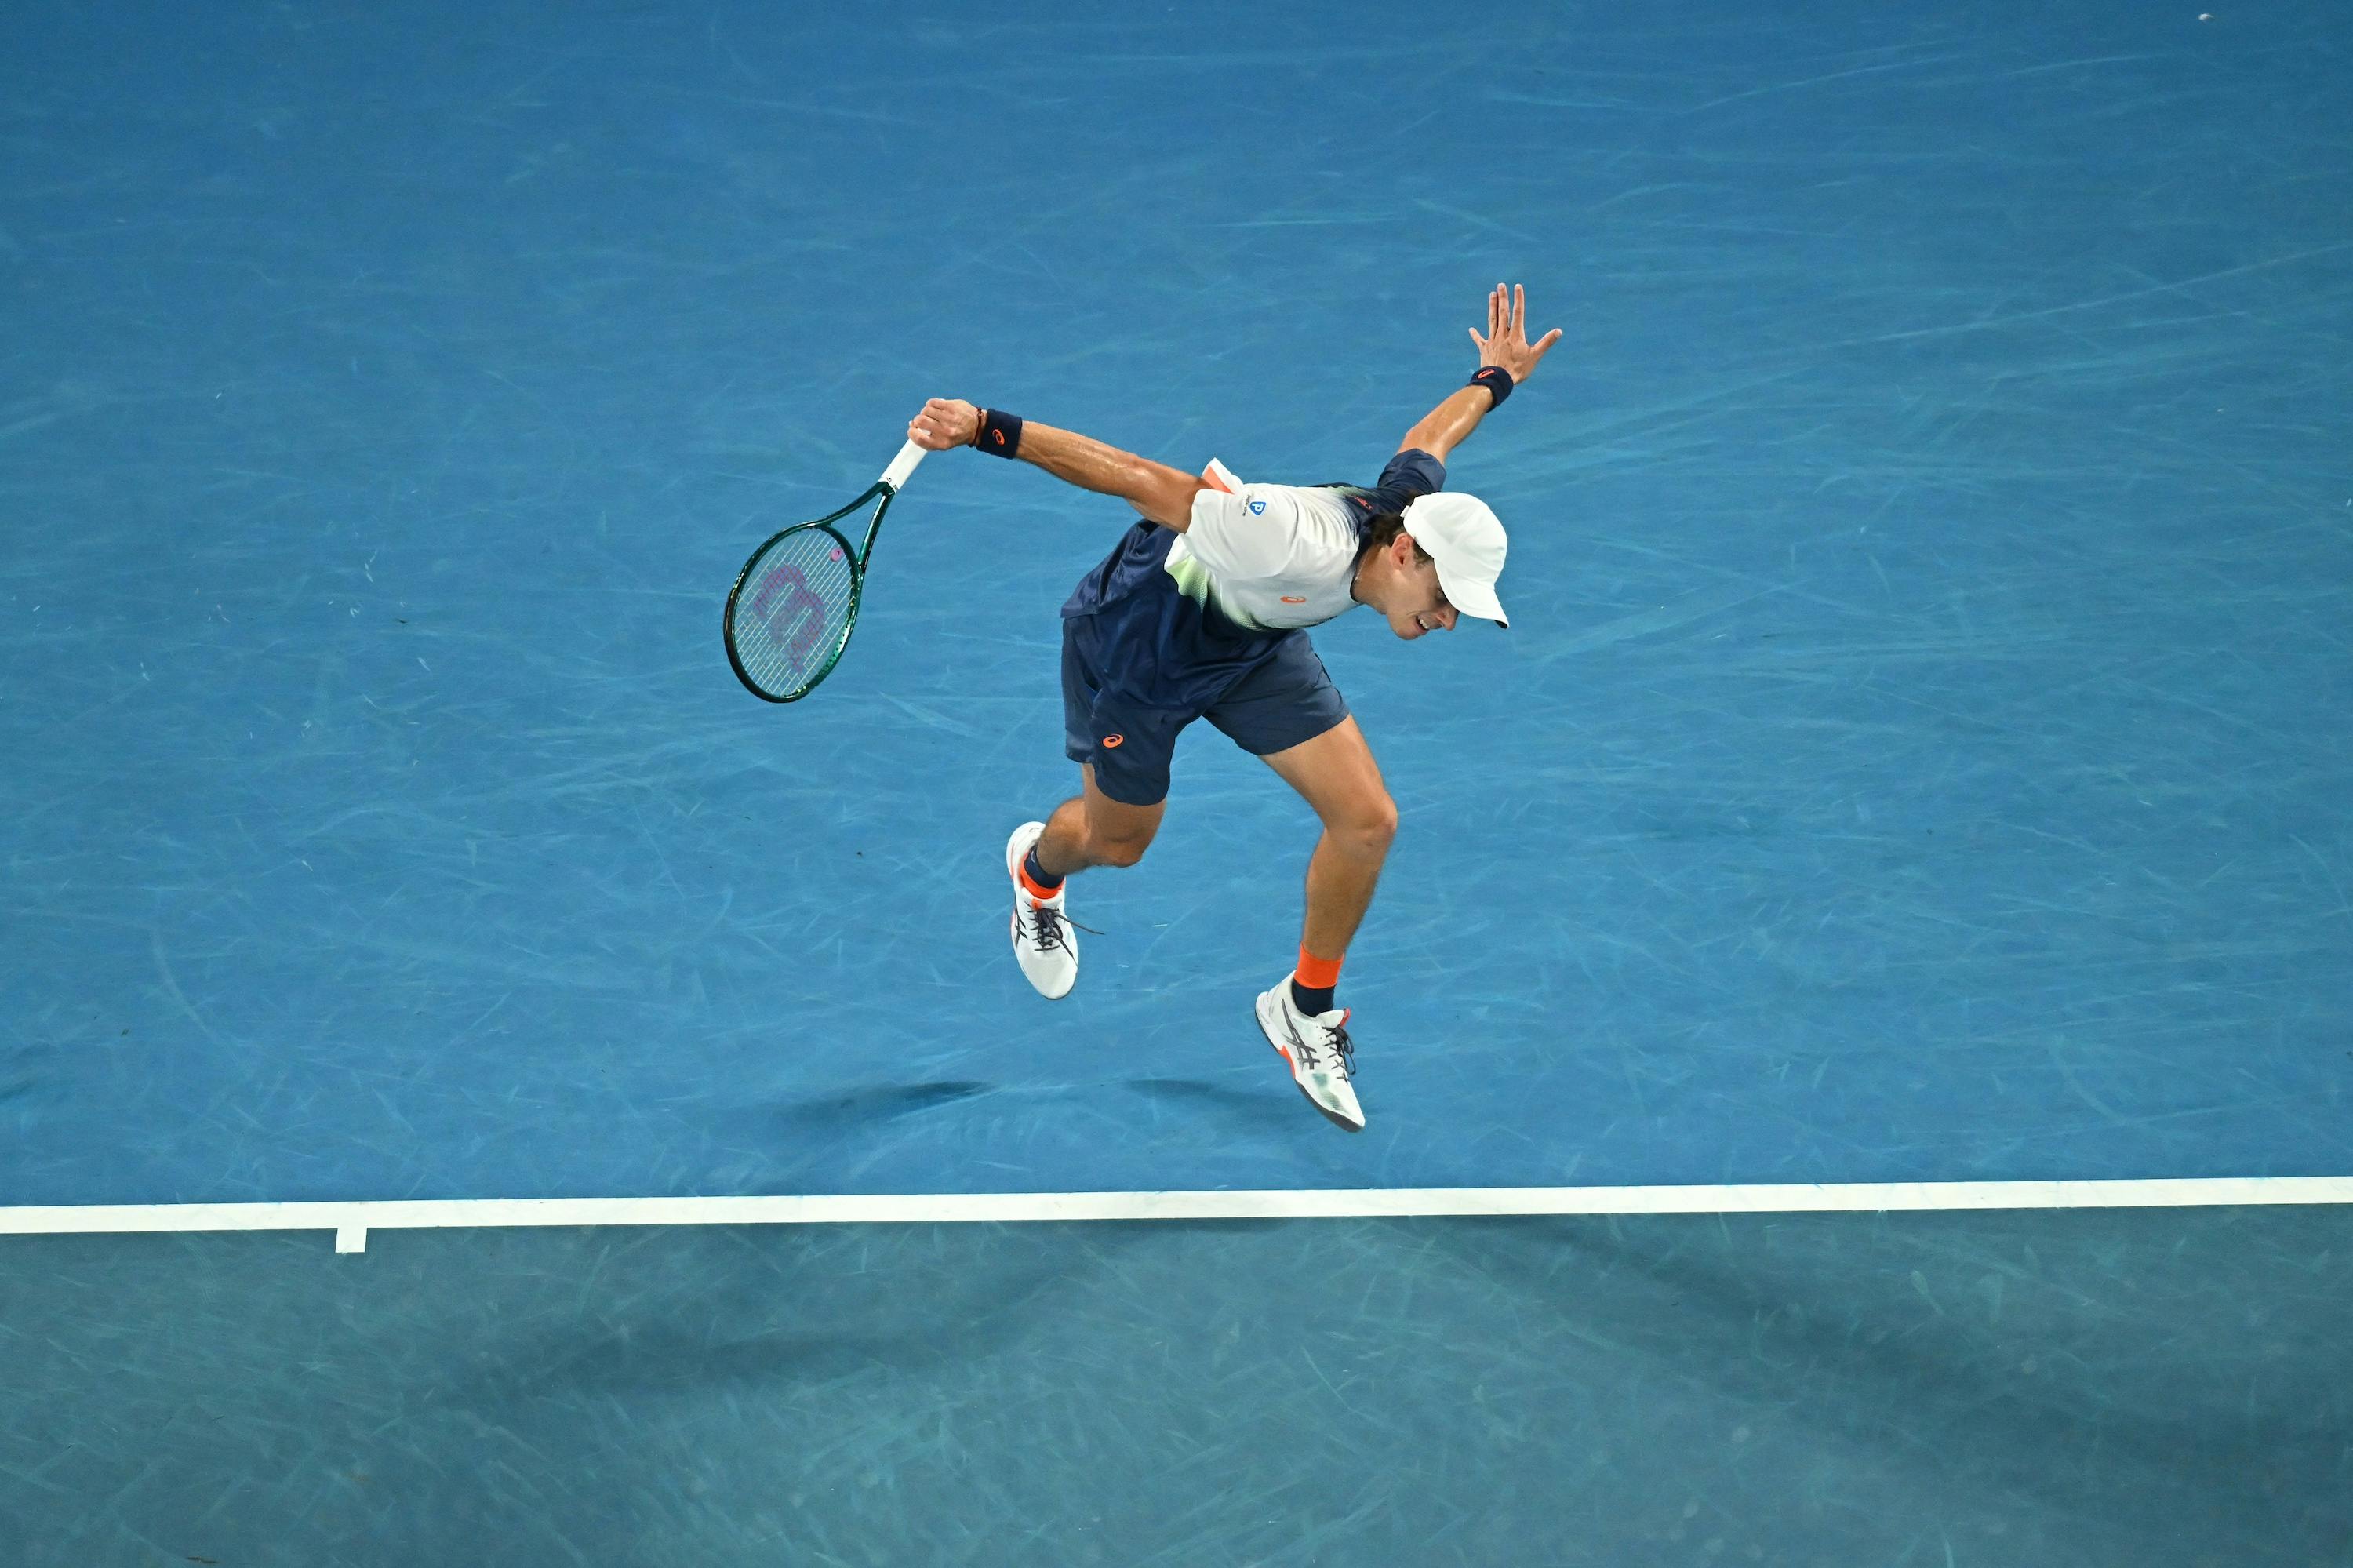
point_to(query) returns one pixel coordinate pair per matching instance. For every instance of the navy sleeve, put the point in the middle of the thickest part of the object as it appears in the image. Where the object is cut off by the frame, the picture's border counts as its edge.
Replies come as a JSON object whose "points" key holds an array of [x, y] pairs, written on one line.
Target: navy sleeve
{"points": [[1410, 473]]}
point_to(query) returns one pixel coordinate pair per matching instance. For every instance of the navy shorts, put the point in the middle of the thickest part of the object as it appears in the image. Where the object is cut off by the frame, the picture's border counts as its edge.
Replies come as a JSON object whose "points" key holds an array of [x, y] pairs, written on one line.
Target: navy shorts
{"points": [[1287, 699]]}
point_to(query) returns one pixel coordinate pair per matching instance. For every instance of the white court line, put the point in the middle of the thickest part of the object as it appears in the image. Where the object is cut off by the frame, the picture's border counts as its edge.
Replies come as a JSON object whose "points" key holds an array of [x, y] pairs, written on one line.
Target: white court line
{"points": [[350, 1221]]}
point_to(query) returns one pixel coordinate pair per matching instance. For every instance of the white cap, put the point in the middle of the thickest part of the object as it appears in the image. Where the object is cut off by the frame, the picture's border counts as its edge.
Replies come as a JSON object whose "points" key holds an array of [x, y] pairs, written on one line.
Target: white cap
{"points": [[1467, 542]]}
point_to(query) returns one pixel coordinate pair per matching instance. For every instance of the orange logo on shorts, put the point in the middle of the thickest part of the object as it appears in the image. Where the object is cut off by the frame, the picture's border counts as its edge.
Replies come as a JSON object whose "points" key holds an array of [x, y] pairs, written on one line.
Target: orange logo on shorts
{"points": [[1113, 739], [1292, 598]]}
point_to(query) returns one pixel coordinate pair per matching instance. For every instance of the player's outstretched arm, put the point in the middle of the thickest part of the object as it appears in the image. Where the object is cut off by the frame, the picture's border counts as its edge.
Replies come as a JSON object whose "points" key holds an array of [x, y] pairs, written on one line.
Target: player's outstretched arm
{"points": [[1163, 494], [1506, 349]]}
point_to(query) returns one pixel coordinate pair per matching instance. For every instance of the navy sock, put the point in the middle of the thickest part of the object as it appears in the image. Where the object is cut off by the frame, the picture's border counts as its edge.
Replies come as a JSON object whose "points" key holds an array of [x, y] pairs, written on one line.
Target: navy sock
{"points": [[1311, 1002], [1037, 872]]}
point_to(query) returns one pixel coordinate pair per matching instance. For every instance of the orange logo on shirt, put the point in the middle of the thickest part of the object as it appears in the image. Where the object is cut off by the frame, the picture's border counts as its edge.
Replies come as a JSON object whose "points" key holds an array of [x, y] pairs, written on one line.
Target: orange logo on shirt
{"points": [[1292, 598], [1113, 739]]}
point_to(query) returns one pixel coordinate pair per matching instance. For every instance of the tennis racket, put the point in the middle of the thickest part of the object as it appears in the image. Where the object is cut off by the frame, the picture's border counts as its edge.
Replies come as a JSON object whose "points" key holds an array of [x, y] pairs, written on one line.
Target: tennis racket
{"points": [[791, 610]]}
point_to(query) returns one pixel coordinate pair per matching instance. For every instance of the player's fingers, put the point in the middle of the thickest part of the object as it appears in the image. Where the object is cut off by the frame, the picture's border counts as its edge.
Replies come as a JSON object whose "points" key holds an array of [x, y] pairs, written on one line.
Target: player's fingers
{"points": [[1480, 341], [1549, 339]]}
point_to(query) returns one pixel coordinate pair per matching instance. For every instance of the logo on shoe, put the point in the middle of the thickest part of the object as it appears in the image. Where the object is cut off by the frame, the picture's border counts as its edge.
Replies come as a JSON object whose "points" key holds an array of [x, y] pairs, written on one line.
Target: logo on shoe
{"points": [[1114, 739]]}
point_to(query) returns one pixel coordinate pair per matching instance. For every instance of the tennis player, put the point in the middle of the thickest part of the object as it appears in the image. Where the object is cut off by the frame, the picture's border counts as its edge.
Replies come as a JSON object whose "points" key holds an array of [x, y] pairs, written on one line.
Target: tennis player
{"points": [[1201, 612]]}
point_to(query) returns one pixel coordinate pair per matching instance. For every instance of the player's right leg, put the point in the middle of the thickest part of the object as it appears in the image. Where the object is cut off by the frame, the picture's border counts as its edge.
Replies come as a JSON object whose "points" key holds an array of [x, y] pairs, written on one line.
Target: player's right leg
{"points": [[1122, 761], [1092, 828], [1089, 830]]}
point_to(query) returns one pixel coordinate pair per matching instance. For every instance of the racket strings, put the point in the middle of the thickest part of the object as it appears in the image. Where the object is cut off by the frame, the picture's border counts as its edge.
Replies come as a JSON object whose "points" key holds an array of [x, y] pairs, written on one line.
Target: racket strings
{"points": [[794, 610]]}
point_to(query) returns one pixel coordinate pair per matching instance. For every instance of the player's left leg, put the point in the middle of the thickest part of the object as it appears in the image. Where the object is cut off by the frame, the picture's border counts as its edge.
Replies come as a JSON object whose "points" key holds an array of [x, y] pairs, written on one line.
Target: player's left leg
{"points": [[1337, 775], [1290, 715]]}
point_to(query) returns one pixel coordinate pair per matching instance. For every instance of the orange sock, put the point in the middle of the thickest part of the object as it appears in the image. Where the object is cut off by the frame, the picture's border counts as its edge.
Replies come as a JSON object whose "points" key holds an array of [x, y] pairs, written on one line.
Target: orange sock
{"points": [[1313, 982]]}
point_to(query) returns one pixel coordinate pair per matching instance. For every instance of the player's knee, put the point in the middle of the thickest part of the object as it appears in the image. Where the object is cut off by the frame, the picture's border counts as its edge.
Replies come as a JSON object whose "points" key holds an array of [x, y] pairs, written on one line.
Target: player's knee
{"points": [[1373, 828], [1118, 851]]}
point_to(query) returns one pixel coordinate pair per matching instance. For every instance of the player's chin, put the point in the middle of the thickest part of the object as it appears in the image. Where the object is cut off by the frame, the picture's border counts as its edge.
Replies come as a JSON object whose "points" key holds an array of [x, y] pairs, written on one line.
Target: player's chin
{"points": [[1409, 629]]}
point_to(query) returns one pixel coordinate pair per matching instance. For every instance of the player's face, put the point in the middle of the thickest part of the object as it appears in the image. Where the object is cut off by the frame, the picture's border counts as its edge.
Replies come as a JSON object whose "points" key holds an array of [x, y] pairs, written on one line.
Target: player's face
{"points": [[1419, 606]]}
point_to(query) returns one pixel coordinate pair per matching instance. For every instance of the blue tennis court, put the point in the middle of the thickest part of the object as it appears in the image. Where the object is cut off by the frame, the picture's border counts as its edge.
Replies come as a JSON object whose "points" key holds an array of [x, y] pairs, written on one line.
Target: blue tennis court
{"points": [[1920, 754]]}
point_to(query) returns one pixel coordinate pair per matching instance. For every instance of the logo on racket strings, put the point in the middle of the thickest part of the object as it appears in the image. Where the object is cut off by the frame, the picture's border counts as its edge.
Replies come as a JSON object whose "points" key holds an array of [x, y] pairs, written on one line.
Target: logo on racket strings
{"points": [[793, 614]]}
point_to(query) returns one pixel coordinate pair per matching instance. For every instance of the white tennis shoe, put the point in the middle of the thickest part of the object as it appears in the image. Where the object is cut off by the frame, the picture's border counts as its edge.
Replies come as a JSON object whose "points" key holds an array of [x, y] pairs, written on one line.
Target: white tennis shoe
{"points": [[1321, 1057], [1043, 941]]}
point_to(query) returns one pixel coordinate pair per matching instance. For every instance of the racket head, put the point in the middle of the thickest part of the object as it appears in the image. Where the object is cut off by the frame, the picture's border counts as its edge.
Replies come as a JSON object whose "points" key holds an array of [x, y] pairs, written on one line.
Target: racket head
{"points": [[790, 613]]}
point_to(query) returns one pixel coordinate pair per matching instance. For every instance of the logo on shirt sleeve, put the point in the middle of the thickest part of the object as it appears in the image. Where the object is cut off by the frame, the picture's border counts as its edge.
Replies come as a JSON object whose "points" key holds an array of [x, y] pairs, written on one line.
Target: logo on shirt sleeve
{"points": [[1258, 508]]}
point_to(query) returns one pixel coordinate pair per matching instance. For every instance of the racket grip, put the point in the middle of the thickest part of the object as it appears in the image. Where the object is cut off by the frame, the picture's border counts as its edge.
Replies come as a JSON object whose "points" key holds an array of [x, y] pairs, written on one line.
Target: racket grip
{"points": [[895, 476]]}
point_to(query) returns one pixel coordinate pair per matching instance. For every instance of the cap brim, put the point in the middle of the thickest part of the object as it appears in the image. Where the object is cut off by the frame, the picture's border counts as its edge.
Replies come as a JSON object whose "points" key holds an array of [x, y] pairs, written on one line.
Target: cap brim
{"points": [[1471, 597]]}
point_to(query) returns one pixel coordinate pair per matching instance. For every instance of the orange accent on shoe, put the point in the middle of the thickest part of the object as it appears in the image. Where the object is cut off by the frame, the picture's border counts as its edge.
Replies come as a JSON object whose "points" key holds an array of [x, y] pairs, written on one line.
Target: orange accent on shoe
{"points": [[1317, 974], [1030, 886]]}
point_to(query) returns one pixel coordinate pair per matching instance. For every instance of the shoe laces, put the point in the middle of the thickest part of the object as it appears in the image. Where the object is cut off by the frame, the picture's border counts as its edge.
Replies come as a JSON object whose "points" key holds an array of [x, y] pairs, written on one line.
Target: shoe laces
{"points": [[1335, 1044], [1046, 931]]}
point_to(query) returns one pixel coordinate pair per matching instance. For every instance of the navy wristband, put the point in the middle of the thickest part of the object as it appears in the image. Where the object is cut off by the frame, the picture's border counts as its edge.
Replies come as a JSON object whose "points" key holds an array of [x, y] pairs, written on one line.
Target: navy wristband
{"points": [[1497, 380], [999, 432]]}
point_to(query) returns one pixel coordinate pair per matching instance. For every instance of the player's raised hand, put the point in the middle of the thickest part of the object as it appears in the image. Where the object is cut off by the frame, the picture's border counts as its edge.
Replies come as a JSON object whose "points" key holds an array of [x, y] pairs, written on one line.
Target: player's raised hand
{"points": [[948, 422], [1506, 343]]}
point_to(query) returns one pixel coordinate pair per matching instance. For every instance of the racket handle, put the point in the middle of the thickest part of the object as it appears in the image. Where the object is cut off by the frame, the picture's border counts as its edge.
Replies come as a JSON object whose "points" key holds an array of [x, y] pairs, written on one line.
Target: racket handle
{"points": [[895, 476]]}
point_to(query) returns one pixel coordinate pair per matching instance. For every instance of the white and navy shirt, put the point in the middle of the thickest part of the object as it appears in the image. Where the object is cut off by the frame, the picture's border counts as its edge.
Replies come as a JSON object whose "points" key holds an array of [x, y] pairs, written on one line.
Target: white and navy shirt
{"points": [[1182, 616], [1269, 557]]}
